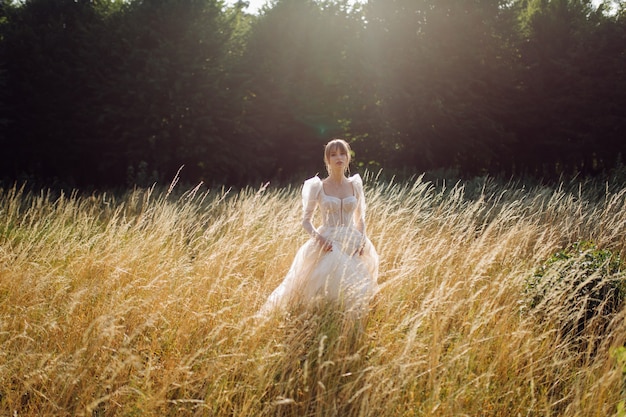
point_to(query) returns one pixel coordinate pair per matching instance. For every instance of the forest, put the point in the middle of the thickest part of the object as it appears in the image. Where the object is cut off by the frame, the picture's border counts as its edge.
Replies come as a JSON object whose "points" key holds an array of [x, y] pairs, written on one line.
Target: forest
{"points": [[113, 93]]}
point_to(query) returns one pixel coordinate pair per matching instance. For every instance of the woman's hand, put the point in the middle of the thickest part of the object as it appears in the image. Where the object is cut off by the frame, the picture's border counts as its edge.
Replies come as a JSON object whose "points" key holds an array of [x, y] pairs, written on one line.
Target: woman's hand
{"points": [[360, 250], [326, 244]]}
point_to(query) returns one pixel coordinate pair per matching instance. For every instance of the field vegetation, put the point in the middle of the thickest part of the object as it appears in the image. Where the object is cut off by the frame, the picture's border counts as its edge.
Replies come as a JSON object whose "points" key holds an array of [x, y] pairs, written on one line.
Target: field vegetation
{"points": [[143, 304]]}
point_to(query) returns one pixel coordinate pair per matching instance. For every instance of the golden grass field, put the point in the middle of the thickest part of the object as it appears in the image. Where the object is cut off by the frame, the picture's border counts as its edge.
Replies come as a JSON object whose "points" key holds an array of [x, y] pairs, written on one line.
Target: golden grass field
{"points": [[143, 304]]}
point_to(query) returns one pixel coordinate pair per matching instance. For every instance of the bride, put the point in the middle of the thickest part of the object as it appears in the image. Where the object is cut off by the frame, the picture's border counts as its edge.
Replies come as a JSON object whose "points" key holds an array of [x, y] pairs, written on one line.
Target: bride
{"points": [[338, 263]]}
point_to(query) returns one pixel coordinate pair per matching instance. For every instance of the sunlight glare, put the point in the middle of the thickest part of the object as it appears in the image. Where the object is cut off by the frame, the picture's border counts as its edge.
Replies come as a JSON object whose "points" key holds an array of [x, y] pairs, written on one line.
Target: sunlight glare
{"points": [[255, 5]]}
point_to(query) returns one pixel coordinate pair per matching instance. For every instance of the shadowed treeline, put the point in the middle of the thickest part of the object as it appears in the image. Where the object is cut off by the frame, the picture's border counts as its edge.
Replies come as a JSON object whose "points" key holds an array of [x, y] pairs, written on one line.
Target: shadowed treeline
{"points": [[111, 92]]}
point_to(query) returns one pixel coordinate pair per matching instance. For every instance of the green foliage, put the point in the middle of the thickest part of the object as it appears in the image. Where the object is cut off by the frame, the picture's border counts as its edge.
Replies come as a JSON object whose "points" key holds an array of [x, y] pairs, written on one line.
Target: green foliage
{"points": [[96, 89], [3, 119], [580, 288], [568, 51], [444, 81], [3, 81], [298, 66], [170, 79]]}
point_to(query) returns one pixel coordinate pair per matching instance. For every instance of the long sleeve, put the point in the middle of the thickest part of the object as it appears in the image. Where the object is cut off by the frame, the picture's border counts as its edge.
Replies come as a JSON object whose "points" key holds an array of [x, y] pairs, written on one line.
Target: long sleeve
{"points": [[310, 193], [359, 213]]}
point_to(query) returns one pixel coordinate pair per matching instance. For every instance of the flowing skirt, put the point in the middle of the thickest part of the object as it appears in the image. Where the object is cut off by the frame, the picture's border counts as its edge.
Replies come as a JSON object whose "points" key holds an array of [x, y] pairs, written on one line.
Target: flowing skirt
{"points": [[341, 275]]}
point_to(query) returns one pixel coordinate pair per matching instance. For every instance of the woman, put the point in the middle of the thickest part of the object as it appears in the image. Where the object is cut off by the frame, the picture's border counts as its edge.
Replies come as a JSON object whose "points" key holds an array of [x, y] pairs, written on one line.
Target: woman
{"points": [[338, 263]]}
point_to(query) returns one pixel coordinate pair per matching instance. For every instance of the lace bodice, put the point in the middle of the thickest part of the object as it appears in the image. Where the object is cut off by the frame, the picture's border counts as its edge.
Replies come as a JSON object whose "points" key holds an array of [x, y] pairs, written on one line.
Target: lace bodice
{"points": [[348, 211], [337, 211]]}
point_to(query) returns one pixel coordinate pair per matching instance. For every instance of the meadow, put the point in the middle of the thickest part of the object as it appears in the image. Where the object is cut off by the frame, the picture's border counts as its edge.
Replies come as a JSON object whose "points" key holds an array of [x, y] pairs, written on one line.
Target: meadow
{"points": [[143, 304]]}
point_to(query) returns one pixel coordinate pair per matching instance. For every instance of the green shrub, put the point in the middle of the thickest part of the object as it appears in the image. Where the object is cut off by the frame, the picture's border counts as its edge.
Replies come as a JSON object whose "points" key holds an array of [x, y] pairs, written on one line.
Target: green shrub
{"points": [[579, 288]]}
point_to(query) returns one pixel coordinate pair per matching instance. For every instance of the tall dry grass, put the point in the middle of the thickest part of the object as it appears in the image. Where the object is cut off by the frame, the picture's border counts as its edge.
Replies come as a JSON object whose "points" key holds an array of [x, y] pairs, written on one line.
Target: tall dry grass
{"points": [[143, 304]]}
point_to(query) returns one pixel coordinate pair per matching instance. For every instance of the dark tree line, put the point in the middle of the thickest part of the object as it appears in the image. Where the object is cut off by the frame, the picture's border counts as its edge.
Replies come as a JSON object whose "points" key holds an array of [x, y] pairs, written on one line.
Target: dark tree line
{"points": [[111, 92]]}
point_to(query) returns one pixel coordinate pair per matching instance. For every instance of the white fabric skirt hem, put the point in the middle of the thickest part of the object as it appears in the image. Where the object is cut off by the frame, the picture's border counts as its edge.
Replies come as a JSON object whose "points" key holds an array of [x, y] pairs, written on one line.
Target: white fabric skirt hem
{"points": [[341, 275]]}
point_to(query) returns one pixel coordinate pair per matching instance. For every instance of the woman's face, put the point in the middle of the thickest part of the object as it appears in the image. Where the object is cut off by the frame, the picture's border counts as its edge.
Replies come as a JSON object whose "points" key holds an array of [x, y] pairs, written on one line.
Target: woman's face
{"points": [[338, 159]]}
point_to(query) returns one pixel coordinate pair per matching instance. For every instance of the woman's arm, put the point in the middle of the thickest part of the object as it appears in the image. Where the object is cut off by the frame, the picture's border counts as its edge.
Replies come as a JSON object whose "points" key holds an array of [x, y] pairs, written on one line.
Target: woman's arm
{"points": [[359, 213], [307, 217], [310, 193], [359, 220]]}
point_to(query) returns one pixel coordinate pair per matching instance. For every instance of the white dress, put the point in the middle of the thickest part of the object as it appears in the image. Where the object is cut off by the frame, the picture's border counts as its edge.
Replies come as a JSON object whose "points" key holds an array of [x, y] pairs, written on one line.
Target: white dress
{"points": [[342, 274]]}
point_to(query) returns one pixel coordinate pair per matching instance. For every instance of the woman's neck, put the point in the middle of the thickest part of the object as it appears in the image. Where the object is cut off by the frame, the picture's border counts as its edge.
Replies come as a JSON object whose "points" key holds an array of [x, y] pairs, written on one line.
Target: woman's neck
{"points": [[336, 176]]}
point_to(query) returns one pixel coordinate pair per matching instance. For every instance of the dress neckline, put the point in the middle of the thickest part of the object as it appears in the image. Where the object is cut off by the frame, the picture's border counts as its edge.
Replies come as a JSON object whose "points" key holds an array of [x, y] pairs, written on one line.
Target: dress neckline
{"points": [[339, 198]]}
